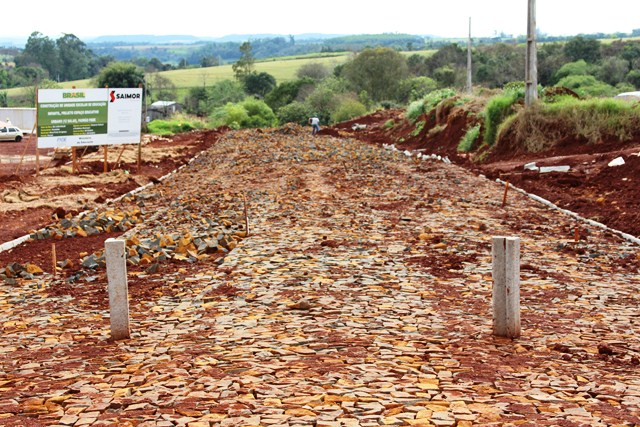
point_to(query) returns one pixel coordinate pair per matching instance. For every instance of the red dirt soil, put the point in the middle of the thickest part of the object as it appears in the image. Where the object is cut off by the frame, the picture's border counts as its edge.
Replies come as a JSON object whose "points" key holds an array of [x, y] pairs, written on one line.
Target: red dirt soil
{"points": [[605, 194], [20, 222]]}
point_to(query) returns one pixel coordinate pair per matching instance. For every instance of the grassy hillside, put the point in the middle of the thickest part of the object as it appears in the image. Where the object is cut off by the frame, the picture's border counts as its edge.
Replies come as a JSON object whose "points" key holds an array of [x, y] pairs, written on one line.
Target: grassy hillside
{"points": [[283, 69]]}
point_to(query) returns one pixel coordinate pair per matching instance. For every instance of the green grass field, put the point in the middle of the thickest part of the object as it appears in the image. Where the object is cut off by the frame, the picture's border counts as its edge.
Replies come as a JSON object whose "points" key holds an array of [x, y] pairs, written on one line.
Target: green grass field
{"points": [[283, 69]]}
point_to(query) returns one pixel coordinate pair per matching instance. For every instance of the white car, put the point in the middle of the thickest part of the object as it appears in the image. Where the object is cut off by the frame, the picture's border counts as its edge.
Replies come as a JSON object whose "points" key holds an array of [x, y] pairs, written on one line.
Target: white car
{"points": [[10, 133]]}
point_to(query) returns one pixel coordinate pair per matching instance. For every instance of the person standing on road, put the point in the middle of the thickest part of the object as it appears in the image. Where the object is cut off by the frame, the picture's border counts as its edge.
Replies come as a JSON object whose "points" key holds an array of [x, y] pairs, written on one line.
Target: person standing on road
{"points": [[315, 125]]}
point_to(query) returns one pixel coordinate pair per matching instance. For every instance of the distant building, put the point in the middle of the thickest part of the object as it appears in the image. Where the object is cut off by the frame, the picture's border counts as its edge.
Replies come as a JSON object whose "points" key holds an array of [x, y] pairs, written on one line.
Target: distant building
{"points": [[163, 110]]}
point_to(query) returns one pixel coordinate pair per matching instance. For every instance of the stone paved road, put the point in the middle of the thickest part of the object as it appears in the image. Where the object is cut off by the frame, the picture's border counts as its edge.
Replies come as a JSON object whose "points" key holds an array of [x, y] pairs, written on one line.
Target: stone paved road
{"points": [[361, 297]]}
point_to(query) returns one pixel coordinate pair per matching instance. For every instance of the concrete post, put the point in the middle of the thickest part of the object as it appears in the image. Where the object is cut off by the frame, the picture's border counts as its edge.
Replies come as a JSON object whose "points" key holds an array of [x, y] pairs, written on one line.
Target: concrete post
{"points": [[506, 286], [118, 288]]}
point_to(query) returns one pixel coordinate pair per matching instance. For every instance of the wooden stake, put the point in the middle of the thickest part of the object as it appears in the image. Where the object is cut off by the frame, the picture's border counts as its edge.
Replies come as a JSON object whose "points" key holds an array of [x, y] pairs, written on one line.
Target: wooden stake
{"points": [[506, 286], [139, 156], [74, 155], [576, 234], [117, 163], [24, 152], [33, 130], [246, 215], [54, 259], [504, 198], [106, 165], [118, 288]]}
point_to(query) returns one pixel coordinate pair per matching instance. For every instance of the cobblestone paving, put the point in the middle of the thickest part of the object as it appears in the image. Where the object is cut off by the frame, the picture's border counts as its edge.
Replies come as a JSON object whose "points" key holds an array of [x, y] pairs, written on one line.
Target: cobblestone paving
{"points": [[360, 297]]}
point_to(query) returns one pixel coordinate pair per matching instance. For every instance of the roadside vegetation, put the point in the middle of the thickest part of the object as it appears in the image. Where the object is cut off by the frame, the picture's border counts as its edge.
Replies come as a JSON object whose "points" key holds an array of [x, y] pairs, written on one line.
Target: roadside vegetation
{"points": [[257, 91]]}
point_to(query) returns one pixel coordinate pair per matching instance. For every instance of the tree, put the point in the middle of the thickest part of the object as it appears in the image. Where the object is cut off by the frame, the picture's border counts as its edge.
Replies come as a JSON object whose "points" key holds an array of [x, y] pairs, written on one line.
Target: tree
{"points": [[577, 68], [3, 100], [313, 70], [613, 70], [209, 61], [99, 62], [225, 91], [500, 64], [377, 71], [582, 48], [550, 58], [197, 101], [27, 76], [40, 51], [244, 66], [286, 93], [31, 91], [259, 83], [415, 88], [417, 64], [75, 58], [633, 77], [631, 53], [450, 55], [120, 74], [161, 88], [155, 64]]}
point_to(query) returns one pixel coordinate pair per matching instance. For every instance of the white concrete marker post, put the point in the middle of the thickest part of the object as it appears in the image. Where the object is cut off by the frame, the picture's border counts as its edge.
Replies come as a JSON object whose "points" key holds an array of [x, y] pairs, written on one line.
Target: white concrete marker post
{"points": [[118, 288], [506, 286]]}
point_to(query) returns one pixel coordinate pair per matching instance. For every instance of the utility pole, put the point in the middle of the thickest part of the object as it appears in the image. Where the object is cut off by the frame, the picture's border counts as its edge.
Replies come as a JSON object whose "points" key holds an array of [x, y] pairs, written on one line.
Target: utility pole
{"points": [[469, 82], [531, 73]]}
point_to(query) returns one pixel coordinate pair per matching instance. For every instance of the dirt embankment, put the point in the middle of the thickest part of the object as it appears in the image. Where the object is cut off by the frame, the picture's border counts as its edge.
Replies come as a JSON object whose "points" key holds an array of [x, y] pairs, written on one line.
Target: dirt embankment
{"points": [[590, 188]]}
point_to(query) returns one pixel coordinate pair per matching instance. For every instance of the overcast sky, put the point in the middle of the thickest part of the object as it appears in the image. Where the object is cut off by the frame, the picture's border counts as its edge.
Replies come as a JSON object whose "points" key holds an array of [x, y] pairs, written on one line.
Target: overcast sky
{"points": [[446, 18]]}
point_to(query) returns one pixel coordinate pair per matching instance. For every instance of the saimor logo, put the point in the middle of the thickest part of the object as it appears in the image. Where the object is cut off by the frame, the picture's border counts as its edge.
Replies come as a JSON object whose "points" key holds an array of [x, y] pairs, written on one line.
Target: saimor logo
{"points": [[115, 96], [73, 94]]}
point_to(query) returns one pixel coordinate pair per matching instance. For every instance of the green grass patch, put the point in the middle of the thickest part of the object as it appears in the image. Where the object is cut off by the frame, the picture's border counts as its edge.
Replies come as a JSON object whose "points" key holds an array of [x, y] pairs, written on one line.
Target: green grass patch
{"points": [[469, 139], [497, 110], [418, 128], [178, 124]]}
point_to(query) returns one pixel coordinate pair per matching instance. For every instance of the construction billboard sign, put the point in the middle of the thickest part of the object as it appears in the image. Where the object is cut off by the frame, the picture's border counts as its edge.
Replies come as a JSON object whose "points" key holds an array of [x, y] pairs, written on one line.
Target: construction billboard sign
{"points": [[83, 117]]}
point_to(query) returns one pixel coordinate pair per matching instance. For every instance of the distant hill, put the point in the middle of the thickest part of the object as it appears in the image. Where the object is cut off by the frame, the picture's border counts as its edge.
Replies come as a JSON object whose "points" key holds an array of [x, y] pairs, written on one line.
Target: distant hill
{"points": [[187, 39], [146, 39]]}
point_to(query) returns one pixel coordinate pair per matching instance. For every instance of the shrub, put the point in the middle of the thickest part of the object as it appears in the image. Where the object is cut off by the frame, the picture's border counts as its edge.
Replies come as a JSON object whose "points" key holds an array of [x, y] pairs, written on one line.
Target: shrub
{"points": [[578, 68], [415, 110], [313, 70], [469, 139], [296, 112], [348, 110], [587, 86], [389, 124], [260, 114], [232, 115], [436, 97]]}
